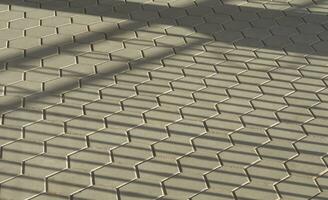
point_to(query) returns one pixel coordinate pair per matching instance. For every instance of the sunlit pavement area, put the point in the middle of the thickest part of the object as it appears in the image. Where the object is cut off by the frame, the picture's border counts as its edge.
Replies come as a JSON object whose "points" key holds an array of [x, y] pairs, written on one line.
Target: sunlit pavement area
{"points": [[179, 99]]}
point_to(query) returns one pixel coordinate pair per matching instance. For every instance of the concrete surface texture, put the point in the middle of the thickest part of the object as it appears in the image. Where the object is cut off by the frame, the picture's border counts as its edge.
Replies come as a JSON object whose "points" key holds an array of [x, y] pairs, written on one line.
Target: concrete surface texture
{"points": [[163, 99]]}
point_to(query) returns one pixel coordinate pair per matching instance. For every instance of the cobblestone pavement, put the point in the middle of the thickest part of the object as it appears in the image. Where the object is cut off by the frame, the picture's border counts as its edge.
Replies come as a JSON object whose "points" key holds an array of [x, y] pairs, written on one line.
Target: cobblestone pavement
{"points": [[180, 99]]}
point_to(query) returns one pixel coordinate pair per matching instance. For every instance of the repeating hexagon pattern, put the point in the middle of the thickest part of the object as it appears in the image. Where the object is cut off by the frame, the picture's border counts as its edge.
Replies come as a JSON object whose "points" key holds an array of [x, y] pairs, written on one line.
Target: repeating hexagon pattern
{"points": [[163, 99]]}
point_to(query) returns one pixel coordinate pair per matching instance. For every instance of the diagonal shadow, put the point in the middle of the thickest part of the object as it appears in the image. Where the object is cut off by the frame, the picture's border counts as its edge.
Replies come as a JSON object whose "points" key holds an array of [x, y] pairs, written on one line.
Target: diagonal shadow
{"points": [[237, 29]]}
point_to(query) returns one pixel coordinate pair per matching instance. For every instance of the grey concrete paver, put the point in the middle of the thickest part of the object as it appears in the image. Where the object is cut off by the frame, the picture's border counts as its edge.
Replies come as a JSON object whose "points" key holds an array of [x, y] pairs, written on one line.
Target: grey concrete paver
{"points": [[24, 23], [72, 180], [165, 99], [102, 193]]}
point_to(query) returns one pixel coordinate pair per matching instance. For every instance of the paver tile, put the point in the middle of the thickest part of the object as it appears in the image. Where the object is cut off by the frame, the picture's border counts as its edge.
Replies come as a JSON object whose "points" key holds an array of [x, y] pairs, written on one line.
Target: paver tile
{"points": [[9, 169], [145, 189], [84, 124], [96, 191], [21, 187], [183, 186], [22, 117], [116, 173], [65, 144], [63, 112], [72, 29], [169, 99], [89, 159], [40, 31], [67, 182], [9, 34], [23, 88], [43, 130], [107, 138], [59, 61], [39, 13], [24, 23], [11, 15], [21, 150], [9, 134], [9, 76], [25, 43], [55, 21]]}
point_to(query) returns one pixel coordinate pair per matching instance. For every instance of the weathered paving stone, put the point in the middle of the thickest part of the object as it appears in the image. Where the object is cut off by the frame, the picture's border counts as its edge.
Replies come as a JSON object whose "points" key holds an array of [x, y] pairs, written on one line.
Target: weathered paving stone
{"points": [[203, 99]]}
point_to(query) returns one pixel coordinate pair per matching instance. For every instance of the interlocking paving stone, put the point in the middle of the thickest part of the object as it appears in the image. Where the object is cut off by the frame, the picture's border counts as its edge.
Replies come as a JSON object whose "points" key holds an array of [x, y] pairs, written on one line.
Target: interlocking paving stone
{"points": [[179, 99]]}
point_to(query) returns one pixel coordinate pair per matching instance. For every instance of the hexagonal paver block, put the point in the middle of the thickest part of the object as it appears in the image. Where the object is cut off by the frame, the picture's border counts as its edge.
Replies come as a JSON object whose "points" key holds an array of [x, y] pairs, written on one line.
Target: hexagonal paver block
{"points": [[218, 18], [199, 11], [257, 33], [93, 58], [121, 35], [55, 21], [294, 49], [226, 9], [89, 37], [10, 34], [131, 25], [23, 88], [25, 42], [72, 29], [138, 44], [78, 70], [69, 11], [75, 49], [127, 8], [173, 13], [208, 28], [24, 23], [190, 21], [305, 38], [263, 23], [289, 21], [321, 47], [107, 46], [73, 180], [240, 55], [236, 25], [39, 13], [96, 191], [316, 19], [42, 74], [40, 31], [7, 77], [57, 39], [310, 28], [245, 15], [144, 15], [11, 15], [283, 30], [170, 41], [59, 61], [103, 27], [228, 36], [114, 17], [3, 24], [276, 7], [277, 41], [126, 55], [86, 19], [23, 63], [179, 31], [249, 43]]}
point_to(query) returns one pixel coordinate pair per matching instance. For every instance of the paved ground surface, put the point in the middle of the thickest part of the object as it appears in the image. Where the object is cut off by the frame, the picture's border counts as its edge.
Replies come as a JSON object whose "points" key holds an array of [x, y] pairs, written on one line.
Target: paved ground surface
{"points": [[181, 99]]}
